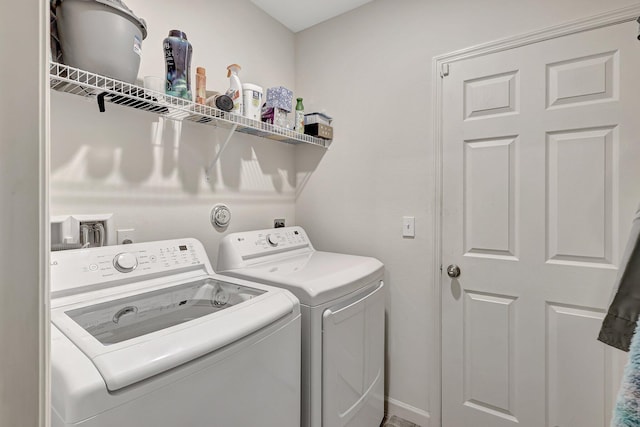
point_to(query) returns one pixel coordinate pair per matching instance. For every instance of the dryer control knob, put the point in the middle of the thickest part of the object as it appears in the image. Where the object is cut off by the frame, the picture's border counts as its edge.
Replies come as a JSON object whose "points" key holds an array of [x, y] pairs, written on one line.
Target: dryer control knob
{"points": [[272, 241], [125, 262]]}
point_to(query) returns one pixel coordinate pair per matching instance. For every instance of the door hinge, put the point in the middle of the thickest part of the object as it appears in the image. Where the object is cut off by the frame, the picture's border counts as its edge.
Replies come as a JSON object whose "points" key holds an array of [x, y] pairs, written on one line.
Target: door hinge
{"points": [[444, 70]]}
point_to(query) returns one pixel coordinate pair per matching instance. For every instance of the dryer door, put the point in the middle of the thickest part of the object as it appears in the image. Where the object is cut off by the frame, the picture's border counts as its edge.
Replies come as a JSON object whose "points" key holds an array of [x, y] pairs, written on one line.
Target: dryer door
{"points": [[353, 361]]}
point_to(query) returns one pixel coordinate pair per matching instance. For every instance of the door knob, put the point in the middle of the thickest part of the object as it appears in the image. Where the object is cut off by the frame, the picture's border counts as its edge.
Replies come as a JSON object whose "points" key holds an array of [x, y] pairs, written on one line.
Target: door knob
{"points": [[453, 271]]}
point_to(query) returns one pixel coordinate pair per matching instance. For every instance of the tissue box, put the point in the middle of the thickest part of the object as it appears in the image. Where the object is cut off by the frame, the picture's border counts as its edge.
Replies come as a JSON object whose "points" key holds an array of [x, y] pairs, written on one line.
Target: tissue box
{"points": [[280, 97]]}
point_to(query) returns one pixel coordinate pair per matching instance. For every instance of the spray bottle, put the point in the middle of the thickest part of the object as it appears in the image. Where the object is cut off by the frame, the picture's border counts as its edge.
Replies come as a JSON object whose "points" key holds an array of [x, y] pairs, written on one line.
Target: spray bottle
{"points": [[235, 88]]}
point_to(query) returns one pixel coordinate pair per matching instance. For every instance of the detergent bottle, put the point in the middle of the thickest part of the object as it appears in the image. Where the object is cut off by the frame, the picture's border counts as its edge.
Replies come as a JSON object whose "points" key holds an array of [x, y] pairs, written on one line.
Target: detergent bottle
{"points": [[177, 56]]}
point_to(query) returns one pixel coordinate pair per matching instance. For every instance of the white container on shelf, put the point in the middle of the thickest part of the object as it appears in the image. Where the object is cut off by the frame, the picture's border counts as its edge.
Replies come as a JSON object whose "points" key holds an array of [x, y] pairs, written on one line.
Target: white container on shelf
{"points": [[321, 118], [252, 101]]}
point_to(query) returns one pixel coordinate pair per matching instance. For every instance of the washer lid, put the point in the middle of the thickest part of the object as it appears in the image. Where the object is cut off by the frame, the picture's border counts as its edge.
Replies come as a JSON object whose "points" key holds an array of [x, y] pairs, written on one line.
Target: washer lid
{"points": [[133, 337], [315, 278]]}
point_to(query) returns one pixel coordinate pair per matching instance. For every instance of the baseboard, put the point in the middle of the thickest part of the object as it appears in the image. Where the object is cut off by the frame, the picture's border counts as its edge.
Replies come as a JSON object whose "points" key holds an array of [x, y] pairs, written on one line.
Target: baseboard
{"points": [[407, 412]]}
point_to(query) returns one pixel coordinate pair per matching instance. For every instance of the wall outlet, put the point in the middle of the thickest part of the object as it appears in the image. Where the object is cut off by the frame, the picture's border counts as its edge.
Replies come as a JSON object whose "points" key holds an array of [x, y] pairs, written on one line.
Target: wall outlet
{"points": [[278, 223], [126, 236]]}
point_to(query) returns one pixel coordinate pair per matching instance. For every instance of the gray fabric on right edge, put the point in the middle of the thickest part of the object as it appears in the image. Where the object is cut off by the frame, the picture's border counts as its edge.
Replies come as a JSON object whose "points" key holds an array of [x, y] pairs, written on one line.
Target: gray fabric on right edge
{"points": [[620, 322]]}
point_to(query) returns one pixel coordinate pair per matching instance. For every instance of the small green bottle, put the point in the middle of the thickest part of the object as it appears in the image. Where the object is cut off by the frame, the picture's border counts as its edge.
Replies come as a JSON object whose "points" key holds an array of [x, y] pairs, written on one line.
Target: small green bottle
{"points": [[299, 116]]}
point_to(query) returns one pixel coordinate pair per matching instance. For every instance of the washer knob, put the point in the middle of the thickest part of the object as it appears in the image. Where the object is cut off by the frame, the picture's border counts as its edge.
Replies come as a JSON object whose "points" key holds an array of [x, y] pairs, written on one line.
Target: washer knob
{"points": [[272, 241], [125, 262]]}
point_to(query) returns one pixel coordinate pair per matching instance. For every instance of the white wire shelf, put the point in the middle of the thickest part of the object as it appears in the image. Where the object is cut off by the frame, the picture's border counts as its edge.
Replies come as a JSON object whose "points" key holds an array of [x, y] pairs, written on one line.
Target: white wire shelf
{"points": [[107, 90]]}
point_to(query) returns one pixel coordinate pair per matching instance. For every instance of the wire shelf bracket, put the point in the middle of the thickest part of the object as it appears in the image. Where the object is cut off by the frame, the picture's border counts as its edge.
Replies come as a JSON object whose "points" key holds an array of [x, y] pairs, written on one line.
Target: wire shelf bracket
{"points": [[209, 168]]}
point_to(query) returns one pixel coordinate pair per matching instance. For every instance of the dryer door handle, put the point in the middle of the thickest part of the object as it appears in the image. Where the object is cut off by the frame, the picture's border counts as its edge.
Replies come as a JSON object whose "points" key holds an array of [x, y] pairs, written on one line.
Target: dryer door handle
{"points": [[344, 310]]}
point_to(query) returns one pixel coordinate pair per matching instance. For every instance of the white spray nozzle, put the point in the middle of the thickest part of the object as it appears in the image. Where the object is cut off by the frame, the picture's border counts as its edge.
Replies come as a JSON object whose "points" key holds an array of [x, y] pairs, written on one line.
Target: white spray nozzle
{"points": [[233, 69]]}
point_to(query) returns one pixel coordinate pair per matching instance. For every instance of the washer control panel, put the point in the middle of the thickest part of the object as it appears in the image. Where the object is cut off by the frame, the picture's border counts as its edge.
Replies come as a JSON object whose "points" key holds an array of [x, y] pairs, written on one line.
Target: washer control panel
{"points": [[238, 248], [93, 266], [264, 241]]}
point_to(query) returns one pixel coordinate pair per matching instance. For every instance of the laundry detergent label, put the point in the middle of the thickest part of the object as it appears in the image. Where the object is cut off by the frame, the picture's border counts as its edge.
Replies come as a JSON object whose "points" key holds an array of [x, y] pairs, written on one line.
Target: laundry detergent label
{"points": [[137, 45], [256, 98]]}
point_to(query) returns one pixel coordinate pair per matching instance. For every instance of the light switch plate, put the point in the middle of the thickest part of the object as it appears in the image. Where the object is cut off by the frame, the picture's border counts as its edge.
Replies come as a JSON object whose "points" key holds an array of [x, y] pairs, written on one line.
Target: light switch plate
{"points": [[408, 226]]}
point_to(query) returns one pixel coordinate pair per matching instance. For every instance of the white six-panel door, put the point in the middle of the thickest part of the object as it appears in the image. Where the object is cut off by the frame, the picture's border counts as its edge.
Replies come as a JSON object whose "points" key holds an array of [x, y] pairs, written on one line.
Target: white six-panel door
{"points": [[541, 177]]}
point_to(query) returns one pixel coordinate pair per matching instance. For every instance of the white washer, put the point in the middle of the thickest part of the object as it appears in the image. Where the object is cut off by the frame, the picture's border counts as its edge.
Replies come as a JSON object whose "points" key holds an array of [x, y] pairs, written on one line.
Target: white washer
{"points": [[342, 304], [147, 335]]}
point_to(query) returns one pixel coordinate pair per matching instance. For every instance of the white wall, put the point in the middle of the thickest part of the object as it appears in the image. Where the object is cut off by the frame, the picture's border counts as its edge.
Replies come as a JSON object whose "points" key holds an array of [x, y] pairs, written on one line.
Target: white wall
{"points": [[153, 180], [23, 265], [371, 70]]}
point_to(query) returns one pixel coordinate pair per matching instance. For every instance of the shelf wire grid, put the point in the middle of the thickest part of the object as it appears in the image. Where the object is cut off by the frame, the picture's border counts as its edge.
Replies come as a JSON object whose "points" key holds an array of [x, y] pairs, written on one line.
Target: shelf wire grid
{"points": [[84, 83]]}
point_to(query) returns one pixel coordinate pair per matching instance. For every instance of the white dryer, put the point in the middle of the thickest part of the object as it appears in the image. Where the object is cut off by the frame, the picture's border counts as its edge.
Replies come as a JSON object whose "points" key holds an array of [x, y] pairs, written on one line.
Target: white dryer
{"points": [[342, 304], [147, 335]]}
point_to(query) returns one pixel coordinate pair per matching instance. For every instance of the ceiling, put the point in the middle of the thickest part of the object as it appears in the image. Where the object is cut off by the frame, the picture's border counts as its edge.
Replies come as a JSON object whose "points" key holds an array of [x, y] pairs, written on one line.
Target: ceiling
{"points": [[298, 15]]}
